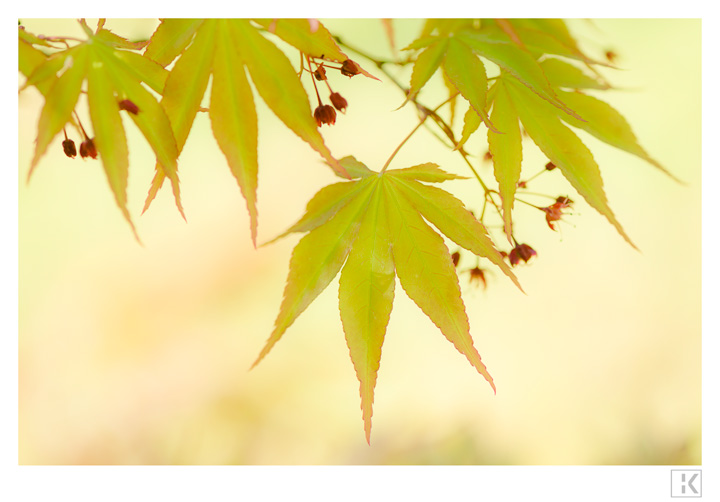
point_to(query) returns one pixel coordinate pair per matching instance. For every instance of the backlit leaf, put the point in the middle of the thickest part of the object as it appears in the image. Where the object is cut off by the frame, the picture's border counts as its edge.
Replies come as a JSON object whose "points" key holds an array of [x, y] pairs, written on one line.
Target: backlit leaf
{"points": [[471, 123], [184, 90], [170, 38], [29, 58], [299, 33], [506, 150], [421, 42], [30, 38], [517, 63], [234, 120], [315, 261], [109, 138], [48, 68], [324, 205], [151, 118], [117, 41], [378, 224], [60, 102], [277, 83], [564, 149], [187, 82], [427, 274], [467, 73], [445, 26], [450, 217], [540, 42], [144, 69], [367, 288], [355, 168], [428, 61], [553, 27], [606, 124], [453, 95], [563, 74], [425, 172]]}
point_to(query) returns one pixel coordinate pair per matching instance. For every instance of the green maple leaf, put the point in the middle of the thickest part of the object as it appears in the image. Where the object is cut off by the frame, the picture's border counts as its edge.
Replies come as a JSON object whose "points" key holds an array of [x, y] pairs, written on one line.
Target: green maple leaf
{"points": [[546, 125], [230, 49], [563, 74], [459, 50], [113, 75], [370, 230], [560, 144], [29, 58], [539, 37], [506, 149]]}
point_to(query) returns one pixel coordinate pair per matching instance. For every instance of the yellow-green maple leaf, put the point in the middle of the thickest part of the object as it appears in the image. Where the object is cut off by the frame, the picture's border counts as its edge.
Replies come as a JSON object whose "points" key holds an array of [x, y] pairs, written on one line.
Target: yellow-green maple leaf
{"points": [[374, 228], [112, 75], [234, 52]]}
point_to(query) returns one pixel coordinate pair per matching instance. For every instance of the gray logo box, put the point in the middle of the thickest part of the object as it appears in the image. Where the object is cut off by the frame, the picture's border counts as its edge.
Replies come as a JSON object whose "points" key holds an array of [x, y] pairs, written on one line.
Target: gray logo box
{"points": [[686, 483]]}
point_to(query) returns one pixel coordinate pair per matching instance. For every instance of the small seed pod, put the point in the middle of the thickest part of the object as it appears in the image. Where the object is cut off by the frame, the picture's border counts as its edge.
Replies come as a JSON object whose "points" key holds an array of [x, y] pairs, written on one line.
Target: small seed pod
{"points": [[87, 149], [69, 148], [338, 101], [325, 114], [129, 106], [521, 252], [320, 73], [350, 68], [456, 258]]}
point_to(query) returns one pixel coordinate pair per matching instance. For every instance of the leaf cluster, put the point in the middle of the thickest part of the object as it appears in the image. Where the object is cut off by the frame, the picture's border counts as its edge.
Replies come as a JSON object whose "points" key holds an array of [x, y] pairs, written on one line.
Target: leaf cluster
{"points": [[233, 51], [517, 77]]}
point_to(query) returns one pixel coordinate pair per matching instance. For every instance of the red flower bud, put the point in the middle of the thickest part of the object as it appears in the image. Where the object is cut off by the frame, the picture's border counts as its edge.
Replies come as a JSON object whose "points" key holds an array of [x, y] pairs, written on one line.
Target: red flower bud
{"points": [[350, 68], [69, 148], [325, 114], [521, 252], [87, 149], [456, 258], [338, 101], [563, 201], [129, 106], [320, 73]]}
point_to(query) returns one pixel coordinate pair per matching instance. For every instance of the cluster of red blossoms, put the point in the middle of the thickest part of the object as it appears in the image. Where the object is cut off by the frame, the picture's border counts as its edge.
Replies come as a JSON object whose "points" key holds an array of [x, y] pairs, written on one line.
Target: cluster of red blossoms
{"points": [[87, 147], [325, 114]]}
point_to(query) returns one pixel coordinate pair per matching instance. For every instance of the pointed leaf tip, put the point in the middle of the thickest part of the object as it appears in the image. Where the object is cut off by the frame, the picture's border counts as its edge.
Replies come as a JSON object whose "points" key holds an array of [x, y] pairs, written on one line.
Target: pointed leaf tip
{"points": [[234, 120], [315, 262], [564, 149], [367, 286], [426, 273]]}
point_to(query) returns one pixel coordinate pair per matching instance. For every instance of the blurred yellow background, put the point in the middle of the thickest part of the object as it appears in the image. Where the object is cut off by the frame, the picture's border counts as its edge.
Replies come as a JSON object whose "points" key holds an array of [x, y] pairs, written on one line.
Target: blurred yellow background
{"points": [[134, 354]]}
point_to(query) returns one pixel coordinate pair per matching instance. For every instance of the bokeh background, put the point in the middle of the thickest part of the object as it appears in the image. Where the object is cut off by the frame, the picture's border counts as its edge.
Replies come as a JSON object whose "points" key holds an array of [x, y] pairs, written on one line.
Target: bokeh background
{"points": [[134, 354]]}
